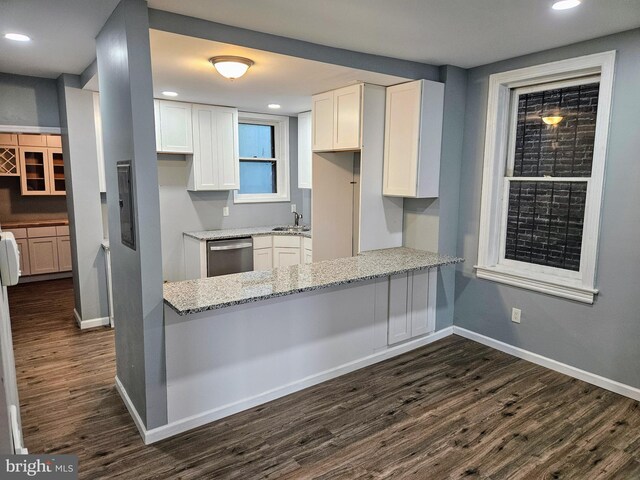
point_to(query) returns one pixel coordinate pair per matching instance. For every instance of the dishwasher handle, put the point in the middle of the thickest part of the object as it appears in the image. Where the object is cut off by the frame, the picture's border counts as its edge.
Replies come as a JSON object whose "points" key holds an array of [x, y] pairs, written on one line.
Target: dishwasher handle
{"points": [[234, 246]]}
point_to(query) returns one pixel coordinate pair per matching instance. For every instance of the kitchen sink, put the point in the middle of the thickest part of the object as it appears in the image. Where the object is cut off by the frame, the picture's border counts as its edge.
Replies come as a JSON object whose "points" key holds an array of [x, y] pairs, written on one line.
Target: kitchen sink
{"points": [[292, 228]]}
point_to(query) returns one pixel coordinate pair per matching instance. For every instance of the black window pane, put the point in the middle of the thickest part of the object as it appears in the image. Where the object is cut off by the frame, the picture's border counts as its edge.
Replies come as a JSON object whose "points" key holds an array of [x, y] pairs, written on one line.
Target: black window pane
{"points": [[258, 177], [545, 222], [256, 141], [561, 150]]}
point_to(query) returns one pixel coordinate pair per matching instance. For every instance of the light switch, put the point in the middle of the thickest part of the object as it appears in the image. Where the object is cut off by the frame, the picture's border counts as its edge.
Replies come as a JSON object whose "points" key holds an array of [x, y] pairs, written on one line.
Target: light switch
{"points": [[225, 211]]}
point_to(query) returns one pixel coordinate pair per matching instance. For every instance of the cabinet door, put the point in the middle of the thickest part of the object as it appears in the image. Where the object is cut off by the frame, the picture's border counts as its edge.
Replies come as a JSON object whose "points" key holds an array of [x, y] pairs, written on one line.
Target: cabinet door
{"points": [[419, 295], [204, 169], [57, 184], [347, 103], [262, 259], [156, 122], [399, 314], [34, 171], [227, 154], [64, 254], [304, 150], [54, 141], [9, 163], [402, 137], [43, 255], [322, 121], [285, 256], [175, 127], [23, 248]]}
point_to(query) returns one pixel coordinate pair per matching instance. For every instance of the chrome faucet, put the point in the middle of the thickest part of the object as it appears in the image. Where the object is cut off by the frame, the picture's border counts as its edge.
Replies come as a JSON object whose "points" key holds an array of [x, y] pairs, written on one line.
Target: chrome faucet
{"points": [[296, 218]]}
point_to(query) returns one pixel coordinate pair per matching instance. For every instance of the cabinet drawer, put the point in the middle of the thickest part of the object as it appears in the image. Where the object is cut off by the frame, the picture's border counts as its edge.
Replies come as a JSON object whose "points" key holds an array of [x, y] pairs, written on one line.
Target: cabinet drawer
{"points": [[17, 232], [9, 139], [62, 230], [40, 232], [32, 140], [54, 141], [291, 241], [262, 241]]}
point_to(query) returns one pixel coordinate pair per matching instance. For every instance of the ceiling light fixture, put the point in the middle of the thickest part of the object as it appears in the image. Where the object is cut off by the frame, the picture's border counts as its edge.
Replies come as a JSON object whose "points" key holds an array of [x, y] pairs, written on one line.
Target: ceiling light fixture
{"points": [[168, 93], [552, 120], [273, 106], [231, 67], [565, 4], [17, 37]]}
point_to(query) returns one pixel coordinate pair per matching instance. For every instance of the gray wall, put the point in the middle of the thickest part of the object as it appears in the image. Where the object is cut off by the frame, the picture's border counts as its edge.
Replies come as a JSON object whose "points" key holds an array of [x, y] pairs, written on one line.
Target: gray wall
{"points": [[83, 198], [184, 211], [28, 101], [126, 104], [603, 338]]}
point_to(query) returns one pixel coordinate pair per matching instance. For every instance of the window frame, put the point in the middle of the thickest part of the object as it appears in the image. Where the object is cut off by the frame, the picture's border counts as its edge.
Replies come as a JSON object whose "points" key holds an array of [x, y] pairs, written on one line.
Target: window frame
{"points": [[499, 147], [281, 148]]}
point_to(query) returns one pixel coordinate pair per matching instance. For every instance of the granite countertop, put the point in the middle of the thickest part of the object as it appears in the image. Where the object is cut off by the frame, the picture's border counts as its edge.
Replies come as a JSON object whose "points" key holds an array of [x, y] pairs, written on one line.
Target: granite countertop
{"points": [[193, 296], [34, 223], [242, 232]]}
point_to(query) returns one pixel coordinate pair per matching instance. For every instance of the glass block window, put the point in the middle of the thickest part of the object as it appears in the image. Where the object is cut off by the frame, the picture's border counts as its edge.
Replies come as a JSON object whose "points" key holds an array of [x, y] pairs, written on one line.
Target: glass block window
{"points": [[548, 171]]}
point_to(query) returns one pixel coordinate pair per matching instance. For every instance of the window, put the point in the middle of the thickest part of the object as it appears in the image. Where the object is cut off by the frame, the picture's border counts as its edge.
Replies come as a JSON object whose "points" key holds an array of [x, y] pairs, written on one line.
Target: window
{"points": [[544, 173], [264, 158]]}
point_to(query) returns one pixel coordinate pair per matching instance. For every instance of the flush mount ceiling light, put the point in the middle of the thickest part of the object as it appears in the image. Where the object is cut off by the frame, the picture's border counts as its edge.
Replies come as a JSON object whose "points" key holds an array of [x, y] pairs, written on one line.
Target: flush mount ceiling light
{"points": [[565, 4], [231, 67], [17, 37], [273, 106], [168, 93], [552, 120]]}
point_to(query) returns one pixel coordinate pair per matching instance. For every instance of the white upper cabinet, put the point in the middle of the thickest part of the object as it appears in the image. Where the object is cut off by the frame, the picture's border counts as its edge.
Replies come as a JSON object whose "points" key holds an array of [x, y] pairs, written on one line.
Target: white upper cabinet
{"points": [[337, 119], [215, 162], [99, 142], [413, 139], [173, 127], [304, 150]]}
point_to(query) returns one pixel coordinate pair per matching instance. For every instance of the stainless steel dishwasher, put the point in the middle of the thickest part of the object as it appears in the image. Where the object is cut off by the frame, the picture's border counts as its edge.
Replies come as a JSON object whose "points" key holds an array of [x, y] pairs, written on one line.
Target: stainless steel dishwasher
{"points": [[229, 256]]}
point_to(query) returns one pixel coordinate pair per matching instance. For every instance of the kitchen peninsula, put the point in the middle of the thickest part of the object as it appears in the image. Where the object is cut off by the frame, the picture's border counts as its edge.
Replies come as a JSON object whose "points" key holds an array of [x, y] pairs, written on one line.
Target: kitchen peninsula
{"points": [[260, 335]]}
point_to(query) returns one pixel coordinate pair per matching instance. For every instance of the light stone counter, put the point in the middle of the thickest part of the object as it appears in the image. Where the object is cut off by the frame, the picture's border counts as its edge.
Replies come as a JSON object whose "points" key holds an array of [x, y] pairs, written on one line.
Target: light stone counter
{"points": [[193, 296]]}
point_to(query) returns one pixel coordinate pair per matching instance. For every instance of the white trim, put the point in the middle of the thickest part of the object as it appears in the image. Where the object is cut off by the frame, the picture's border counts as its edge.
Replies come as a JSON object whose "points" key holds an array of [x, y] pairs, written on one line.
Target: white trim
{"points": [[528, 281], [281, 137], [174, 428], [132, 410], [592, 378], [23, 129], [91, 323], [492, 221]]}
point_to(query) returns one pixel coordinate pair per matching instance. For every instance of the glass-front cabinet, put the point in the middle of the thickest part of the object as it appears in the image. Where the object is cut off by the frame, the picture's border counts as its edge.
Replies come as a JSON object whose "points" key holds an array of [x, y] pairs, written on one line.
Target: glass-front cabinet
{"points": [[37, 159], [34, 163], [56, 168]]}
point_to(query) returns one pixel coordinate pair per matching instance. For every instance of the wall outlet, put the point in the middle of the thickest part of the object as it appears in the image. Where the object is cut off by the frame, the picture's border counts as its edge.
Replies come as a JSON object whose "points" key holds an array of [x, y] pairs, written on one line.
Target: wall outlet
{"points": [[293, 207], [225, 211], [516, 313]]}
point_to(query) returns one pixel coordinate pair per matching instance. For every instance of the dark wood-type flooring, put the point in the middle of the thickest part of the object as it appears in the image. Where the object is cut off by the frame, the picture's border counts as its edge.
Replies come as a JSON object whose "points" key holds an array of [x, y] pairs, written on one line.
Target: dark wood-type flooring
{"points": [[453, 409]]}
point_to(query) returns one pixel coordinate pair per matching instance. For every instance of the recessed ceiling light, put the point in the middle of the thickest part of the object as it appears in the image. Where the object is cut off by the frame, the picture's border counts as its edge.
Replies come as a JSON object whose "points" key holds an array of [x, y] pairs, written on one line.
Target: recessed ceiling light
{"points": [[565, 4], [168, 93], [273, 106], [16, 37]]}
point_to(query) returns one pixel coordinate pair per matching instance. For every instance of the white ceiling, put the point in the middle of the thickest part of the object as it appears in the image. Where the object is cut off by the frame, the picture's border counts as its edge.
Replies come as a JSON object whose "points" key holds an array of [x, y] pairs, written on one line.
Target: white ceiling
{"points": [[63, 35], [181, 64], [459, 32], [465, 33]]}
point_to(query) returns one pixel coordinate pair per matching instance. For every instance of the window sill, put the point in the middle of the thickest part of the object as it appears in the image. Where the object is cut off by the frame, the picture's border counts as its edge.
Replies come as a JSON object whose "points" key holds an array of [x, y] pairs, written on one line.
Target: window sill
{"points": [[247, 198], [556, 287]]}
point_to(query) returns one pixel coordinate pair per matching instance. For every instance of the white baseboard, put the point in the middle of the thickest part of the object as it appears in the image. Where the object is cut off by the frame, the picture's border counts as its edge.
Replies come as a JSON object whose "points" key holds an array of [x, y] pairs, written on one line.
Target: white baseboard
{"points": [[592, 378], [91, 323], [189, 423]]}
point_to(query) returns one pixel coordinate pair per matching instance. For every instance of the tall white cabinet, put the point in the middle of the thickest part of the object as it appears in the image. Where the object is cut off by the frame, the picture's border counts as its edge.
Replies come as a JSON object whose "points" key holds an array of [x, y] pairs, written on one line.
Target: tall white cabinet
{"points": [[413, 139], [215, 162]]}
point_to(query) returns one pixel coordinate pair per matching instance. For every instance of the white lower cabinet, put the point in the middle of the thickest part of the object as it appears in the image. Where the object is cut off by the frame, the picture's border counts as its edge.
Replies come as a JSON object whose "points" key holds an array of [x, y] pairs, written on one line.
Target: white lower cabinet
{"points": [[272, 251], [411, 310]]}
